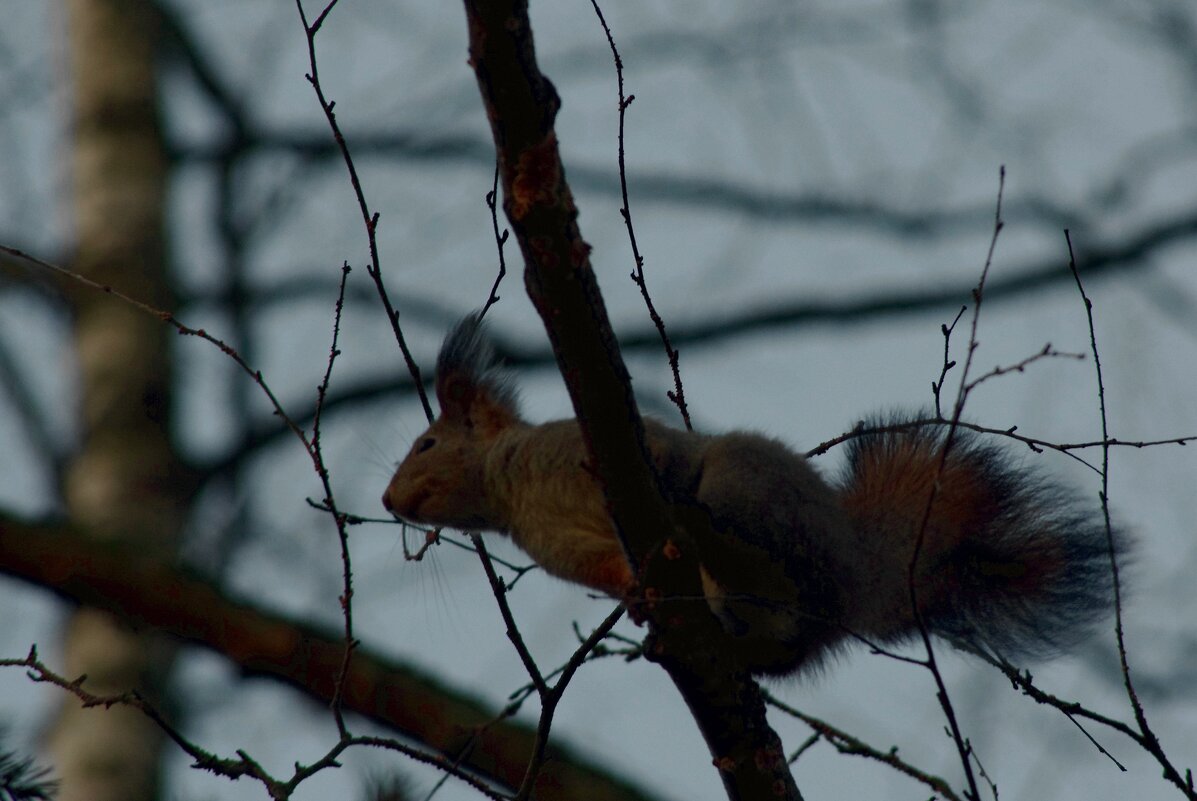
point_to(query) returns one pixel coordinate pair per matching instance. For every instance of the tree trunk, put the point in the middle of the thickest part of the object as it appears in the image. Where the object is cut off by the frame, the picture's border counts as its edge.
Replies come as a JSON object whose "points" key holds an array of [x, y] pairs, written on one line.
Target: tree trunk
{"points": [[123, 480]]}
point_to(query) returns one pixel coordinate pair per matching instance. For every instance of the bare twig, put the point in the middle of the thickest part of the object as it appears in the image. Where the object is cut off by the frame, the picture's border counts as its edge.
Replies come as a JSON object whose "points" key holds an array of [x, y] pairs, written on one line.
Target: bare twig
{"points": [[963, 746], [948, 363], [677, 394], [370, 219], [374, 270], [38, 671], [847, 744], [311, 446], [1048, 352], [1148, 740], [437, 535], [1035, 444], [170, 319], [346, 599], [549, 698], [513, 633], [492, 203], [979, 294], [807, 744], [1022, 680]]}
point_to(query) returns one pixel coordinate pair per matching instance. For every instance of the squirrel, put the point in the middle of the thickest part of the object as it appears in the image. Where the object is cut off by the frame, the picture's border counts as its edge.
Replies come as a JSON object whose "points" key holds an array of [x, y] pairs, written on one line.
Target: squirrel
{"points": [[1008, 563]]}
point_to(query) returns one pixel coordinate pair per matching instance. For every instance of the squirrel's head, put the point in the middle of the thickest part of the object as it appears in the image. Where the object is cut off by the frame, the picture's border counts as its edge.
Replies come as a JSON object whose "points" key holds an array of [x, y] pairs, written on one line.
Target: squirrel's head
{"points": [[441, 482]]}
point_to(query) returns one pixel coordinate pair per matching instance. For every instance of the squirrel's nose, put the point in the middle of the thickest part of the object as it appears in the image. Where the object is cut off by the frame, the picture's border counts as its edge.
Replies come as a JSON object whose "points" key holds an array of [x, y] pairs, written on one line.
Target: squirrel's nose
{"points": [[386, 502]]}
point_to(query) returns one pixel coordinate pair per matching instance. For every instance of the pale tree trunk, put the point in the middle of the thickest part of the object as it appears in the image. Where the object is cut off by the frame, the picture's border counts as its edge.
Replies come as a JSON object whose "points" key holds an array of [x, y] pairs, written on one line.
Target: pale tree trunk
{"points": [[123, 483]]}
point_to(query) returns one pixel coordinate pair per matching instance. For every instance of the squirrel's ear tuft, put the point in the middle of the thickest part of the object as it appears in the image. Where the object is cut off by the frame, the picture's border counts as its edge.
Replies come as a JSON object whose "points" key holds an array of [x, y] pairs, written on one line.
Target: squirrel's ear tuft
{"points": [[469, 384], [466, 348]]}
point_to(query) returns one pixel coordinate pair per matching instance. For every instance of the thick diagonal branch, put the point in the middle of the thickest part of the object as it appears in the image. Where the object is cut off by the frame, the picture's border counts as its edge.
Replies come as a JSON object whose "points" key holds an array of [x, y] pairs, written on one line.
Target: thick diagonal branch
{"points": [[522, 104]]}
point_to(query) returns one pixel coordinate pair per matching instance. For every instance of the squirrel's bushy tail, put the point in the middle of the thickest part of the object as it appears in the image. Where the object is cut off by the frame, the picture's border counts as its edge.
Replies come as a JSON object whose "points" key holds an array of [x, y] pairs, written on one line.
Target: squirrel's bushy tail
{"points": [[1007, 562]]}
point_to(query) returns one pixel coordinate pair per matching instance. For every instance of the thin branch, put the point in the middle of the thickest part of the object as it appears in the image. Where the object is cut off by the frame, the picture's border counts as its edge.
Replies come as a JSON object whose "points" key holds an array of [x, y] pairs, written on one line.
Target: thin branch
{"points": [[492, 203], [346, 599], [435, 536], [369, 219], [170, 319], [311, 445], [677, 395], [948, 363], [963, 746], [244, 764], [551, 698], [204, 760], [1023, 680], [979, 294], [1048, 352], [1034, 443], [1149, 739], [430, 715], [513, 633], [807, 744], [374, 270], [590, 648], [847, 744]]}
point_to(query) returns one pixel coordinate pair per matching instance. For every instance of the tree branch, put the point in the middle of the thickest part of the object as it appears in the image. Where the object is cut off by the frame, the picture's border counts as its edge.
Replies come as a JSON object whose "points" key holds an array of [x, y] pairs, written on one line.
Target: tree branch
{"points": [[521, 104], [148, 594]]}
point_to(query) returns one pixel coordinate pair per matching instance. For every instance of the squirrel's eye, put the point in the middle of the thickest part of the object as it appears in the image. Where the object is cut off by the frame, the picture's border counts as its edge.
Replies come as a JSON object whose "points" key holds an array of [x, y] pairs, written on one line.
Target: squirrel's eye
{"points": [[427, 443]]}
